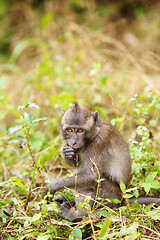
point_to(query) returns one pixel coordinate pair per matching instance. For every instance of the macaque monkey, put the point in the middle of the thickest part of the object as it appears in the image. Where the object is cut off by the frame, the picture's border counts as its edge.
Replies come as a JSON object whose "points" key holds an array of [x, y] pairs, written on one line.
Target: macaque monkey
{"points": [[100, 156]]}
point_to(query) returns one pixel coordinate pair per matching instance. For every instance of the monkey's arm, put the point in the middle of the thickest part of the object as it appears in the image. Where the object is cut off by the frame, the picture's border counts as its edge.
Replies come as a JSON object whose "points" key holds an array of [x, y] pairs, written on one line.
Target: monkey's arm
{"points": [[59, 184], [82, 179], [85, 176]]}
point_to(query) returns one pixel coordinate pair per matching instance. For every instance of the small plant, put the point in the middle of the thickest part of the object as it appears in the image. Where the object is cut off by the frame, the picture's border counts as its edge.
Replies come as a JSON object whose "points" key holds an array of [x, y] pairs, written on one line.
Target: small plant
{"points": [[19, 194], [22, 133], [145, 166]]}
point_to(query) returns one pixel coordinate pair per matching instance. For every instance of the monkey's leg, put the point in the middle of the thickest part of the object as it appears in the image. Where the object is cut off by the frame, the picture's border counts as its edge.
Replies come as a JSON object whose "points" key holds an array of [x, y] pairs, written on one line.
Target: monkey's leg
{"points": [[110, 189]]}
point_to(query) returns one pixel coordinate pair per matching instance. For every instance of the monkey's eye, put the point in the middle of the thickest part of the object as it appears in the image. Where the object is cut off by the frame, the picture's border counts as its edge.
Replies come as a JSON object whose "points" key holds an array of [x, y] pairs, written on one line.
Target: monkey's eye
{"points": [[69, 130], [80, 130]]}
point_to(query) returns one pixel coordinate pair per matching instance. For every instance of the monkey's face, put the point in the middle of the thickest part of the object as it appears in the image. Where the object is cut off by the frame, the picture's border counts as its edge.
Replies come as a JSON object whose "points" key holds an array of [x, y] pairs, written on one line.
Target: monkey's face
{"points": [[79, 126], [75, 137]]}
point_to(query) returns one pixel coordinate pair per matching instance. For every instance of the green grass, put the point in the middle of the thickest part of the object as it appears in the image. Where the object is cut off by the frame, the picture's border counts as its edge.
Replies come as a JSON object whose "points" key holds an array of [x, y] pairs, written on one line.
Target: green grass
{"points": [[58, 60]]}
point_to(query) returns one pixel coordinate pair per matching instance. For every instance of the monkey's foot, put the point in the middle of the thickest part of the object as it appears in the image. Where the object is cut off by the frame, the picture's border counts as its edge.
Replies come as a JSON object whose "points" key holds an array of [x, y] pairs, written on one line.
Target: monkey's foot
{"points": [[64, 202]]}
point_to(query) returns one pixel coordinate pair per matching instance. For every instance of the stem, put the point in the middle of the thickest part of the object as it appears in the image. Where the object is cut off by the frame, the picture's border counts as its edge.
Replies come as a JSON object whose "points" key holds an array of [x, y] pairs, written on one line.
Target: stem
{"points": [[34, 163], [98, 183], [94, 236], [29, 148]]}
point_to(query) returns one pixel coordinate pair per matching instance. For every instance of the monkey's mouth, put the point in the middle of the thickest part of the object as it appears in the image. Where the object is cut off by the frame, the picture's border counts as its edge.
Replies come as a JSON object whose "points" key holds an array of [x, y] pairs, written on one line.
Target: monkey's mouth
{"points": [[76, 147], [78, 150]]}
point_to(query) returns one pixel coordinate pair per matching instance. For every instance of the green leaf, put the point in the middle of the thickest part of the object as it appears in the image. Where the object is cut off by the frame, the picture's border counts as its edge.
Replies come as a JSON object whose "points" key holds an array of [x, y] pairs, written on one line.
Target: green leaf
{"points": [[3, 203], [38, 162], [52, 230], [21, 107], [150, 182], [128, 195], [18, 189], [98, 224], [136, 193], [44, 236], [151, 177], [147, 187], [80, 205], [27, 117], [154, 214], [32, 234], [36, 217], [116, 200], [16, 139], [15, 201], [2, 184], [77, 233], [136, 111], [44, 209], [14, 129], [88, 207], [131, 230], [33, 105], [18, 182], [87, 199], [28, 105], [155, 184], [104, 228], [122, 186], [71, 237], [41, 118]]}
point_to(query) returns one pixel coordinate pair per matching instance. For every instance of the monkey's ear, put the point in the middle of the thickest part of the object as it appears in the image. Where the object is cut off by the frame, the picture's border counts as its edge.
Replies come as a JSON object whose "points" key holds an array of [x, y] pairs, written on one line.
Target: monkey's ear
{"points": [[63, 112], [95, 115]]}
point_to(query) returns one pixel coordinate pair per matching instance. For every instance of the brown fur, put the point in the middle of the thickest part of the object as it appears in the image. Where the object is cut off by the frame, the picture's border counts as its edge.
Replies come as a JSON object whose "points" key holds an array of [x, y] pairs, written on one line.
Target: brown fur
{"points": [[101, 147]]}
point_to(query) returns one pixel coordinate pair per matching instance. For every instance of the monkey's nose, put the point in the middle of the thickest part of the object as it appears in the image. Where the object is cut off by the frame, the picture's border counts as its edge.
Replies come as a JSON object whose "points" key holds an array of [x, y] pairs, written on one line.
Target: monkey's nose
{"points": [[74, 145], [74, 140]]}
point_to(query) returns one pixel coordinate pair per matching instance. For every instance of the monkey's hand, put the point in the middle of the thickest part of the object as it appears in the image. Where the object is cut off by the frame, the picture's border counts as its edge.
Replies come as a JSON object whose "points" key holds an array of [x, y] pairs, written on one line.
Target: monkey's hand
{"points": [[69, 153]]}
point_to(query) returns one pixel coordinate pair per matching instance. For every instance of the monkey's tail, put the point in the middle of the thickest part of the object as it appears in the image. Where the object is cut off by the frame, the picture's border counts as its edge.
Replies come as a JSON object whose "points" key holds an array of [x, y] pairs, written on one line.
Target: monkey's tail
{"points": [[145, 200]]}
